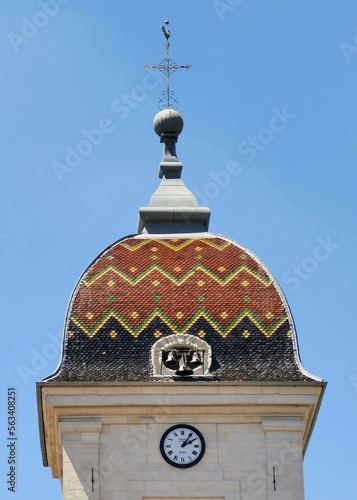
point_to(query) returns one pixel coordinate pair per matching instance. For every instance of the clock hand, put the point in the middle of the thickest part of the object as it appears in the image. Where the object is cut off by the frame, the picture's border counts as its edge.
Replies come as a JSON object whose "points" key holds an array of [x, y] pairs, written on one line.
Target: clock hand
{"points": [[186, 440], [192, 440]]}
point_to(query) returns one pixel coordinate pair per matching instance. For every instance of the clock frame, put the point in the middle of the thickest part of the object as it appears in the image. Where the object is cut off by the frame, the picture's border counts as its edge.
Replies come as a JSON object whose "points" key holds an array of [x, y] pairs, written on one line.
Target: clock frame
{"points": [[182, 446]]}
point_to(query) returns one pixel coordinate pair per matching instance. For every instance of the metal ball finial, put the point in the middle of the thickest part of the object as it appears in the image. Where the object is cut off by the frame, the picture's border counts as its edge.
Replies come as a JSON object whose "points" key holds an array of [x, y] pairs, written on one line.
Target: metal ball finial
{"points": [[168, 122]]}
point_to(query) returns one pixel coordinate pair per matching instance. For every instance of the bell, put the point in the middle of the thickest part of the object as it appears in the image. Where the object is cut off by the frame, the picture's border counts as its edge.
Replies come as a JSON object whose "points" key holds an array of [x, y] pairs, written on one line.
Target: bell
{"points": [[184, 369], [170, 358], [196, 358]]}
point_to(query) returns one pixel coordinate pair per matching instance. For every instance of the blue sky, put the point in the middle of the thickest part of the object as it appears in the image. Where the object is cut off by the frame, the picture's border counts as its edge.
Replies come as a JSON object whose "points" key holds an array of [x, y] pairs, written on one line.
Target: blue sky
{"points": [[269, 143]]}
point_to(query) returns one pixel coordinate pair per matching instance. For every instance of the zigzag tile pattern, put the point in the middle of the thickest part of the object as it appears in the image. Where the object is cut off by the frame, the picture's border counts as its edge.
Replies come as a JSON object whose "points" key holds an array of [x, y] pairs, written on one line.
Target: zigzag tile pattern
{"points": [[180, 282]]}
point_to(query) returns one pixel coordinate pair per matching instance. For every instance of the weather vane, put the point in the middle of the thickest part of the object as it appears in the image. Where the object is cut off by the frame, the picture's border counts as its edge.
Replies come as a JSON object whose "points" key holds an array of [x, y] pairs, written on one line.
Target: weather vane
{"points": [[167, 66]]}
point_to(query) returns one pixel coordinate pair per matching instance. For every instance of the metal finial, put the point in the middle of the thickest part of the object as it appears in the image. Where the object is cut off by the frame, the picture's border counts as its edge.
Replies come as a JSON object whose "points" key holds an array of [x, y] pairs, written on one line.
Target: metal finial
{"points": [[167, 66]]}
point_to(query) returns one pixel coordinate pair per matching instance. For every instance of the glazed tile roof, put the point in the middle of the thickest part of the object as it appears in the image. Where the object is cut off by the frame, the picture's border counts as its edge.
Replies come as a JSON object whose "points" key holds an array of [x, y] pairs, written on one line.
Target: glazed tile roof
{"points": [[141, 289]]}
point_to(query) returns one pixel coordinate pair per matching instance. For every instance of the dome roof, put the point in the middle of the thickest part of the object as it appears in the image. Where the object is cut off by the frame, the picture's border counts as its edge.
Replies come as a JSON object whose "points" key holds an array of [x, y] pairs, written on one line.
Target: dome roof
{"points": [[177, 301], [206, 287]]}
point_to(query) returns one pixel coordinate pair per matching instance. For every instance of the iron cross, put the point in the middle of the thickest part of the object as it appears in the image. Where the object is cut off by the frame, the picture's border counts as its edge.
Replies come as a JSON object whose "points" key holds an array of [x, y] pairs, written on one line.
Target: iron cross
{"points": [[167, 66]]}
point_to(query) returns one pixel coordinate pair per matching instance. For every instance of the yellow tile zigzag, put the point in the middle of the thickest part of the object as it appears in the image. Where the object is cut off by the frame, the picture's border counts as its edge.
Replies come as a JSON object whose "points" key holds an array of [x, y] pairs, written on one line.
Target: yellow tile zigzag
{"points": [[178, 281], [176, 248], [201, 313]]}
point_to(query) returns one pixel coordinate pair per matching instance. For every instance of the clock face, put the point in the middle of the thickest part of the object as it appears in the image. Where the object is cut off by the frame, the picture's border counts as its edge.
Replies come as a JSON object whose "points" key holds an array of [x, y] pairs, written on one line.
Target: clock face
{"points": [[182, 446]]}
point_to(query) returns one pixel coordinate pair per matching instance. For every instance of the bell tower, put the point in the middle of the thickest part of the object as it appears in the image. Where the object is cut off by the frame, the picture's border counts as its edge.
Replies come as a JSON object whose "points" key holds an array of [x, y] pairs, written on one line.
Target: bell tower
{"points": [[180, 375]]}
